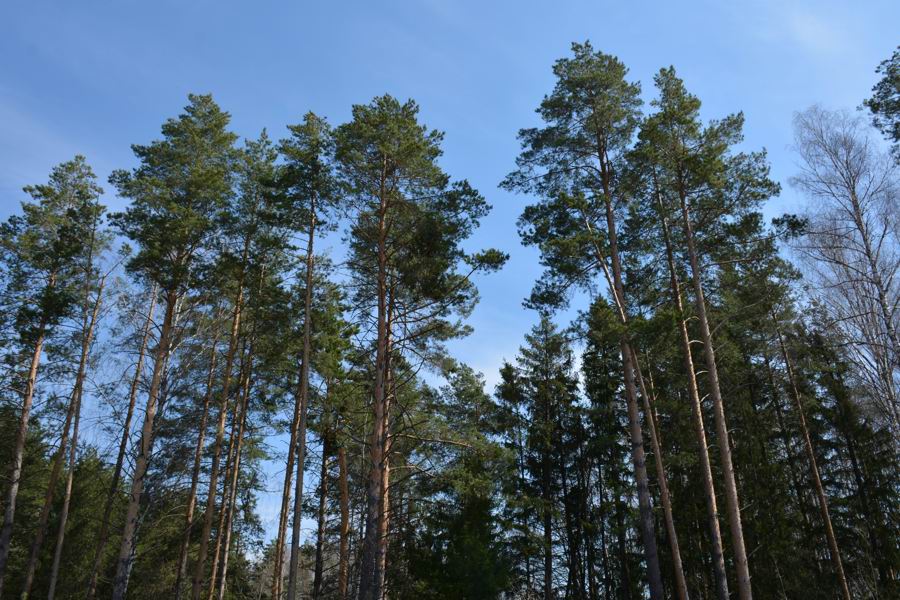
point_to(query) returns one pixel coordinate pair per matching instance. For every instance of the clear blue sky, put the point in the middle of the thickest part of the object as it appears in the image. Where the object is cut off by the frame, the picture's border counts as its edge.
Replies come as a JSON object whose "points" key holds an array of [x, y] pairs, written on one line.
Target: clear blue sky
{"points": [[94, 77]]}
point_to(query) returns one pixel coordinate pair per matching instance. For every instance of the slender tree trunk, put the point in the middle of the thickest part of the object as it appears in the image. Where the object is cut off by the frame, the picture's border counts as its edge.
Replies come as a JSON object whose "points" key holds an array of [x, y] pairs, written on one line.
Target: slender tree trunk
{"points": [[709, 492], [320, 525], [15, 475], [344, 544], [44, 519], [88, 326], [648, 534], [294, 572], [235, 474], [732, 503], [814, 469], [680, 583], [103, 536], [199, 568], [383, 526], [368, 580], [228, 471], [195, 471], [127, 547], [67, 498], [278, 570]]}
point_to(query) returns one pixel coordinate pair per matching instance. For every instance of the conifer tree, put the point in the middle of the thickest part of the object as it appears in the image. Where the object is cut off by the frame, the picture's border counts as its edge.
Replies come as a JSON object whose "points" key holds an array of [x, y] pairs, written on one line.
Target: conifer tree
{"points": [[574, 164], [410, 275], [182, 183], [43, 252]]}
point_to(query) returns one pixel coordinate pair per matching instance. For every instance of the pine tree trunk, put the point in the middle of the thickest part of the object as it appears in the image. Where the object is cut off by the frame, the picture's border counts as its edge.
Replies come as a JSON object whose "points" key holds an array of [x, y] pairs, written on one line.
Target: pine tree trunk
{"points": [[227, 473], [67, 499], [344, 544], [732, 503], [236, 470], [278, 569], [709, 492], [15, 475], [814, 469], [383, 527], [680, 583], [127, 547], [195, 471], [103, 536], [320, 525], [87, 328], [199, 568], [44, 518], [648, 534], [368, 581], [303, 401]]}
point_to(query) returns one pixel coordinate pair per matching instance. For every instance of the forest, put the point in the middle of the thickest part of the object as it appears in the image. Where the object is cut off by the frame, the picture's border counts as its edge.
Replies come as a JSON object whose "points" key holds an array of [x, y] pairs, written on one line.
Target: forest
{"points": [[720, 419]]}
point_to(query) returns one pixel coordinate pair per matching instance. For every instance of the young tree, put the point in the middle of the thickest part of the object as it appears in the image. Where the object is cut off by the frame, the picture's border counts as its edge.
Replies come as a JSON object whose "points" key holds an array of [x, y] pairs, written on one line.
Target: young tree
{"points": [[176, 193]]}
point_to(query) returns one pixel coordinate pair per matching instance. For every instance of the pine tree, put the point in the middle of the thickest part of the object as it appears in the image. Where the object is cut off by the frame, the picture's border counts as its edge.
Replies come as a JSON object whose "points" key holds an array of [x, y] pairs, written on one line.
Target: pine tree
{"points": [[182, 183], [43, 252]]}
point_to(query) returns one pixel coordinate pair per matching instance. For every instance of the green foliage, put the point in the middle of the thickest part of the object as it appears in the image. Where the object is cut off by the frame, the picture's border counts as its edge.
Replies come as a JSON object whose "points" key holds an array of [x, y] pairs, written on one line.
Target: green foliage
{"points": [[885, 101], [177, 192]]}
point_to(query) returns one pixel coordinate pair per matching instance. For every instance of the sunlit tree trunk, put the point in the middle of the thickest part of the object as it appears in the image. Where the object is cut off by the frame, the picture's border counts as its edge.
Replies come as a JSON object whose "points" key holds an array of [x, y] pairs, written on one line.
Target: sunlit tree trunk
{"points": [[195, 471], [235, 475], [709, 492], [126, 549], [320, 524], [89, 324], [732, 503], [680, 583], [103, 536], [199, 568], [303, 401]]}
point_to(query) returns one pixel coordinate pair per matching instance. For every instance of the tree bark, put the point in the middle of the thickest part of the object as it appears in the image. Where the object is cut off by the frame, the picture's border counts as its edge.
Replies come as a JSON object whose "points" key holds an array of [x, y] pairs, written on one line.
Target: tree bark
{"points": [[88, 326], [15, 475], [199, 568], [648, 535], [732, 503], [368, 581], [680, 583], [103, 536], [235, 474], [709, 492], [278, 569], [814, 469], [303, 401], [58, 460], [344, 544], [127, 547], [320, 525], [195, 471], [227, 472]]}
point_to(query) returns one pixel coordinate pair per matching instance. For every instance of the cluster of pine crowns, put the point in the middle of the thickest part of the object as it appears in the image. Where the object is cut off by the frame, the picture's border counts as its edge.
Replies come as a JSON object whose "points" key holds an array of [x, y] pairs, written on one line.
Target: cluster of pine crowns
{"points": [[717, 421]]}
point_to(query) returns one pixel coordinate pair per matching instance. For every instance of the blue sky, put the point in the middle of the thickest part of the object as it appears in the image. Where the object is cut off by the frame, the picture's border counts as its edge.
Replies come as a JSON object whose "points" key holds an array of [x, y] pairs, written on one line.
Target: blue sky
{"points": [[94, 77]]}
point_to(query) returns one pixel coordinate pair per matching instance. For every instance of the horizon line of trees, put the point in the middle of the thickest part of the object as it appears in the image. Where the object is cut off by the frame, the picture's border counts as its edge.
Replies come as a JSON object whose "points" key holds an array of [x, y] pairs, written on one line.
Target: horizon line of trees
{"points": [[721, 420]]}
